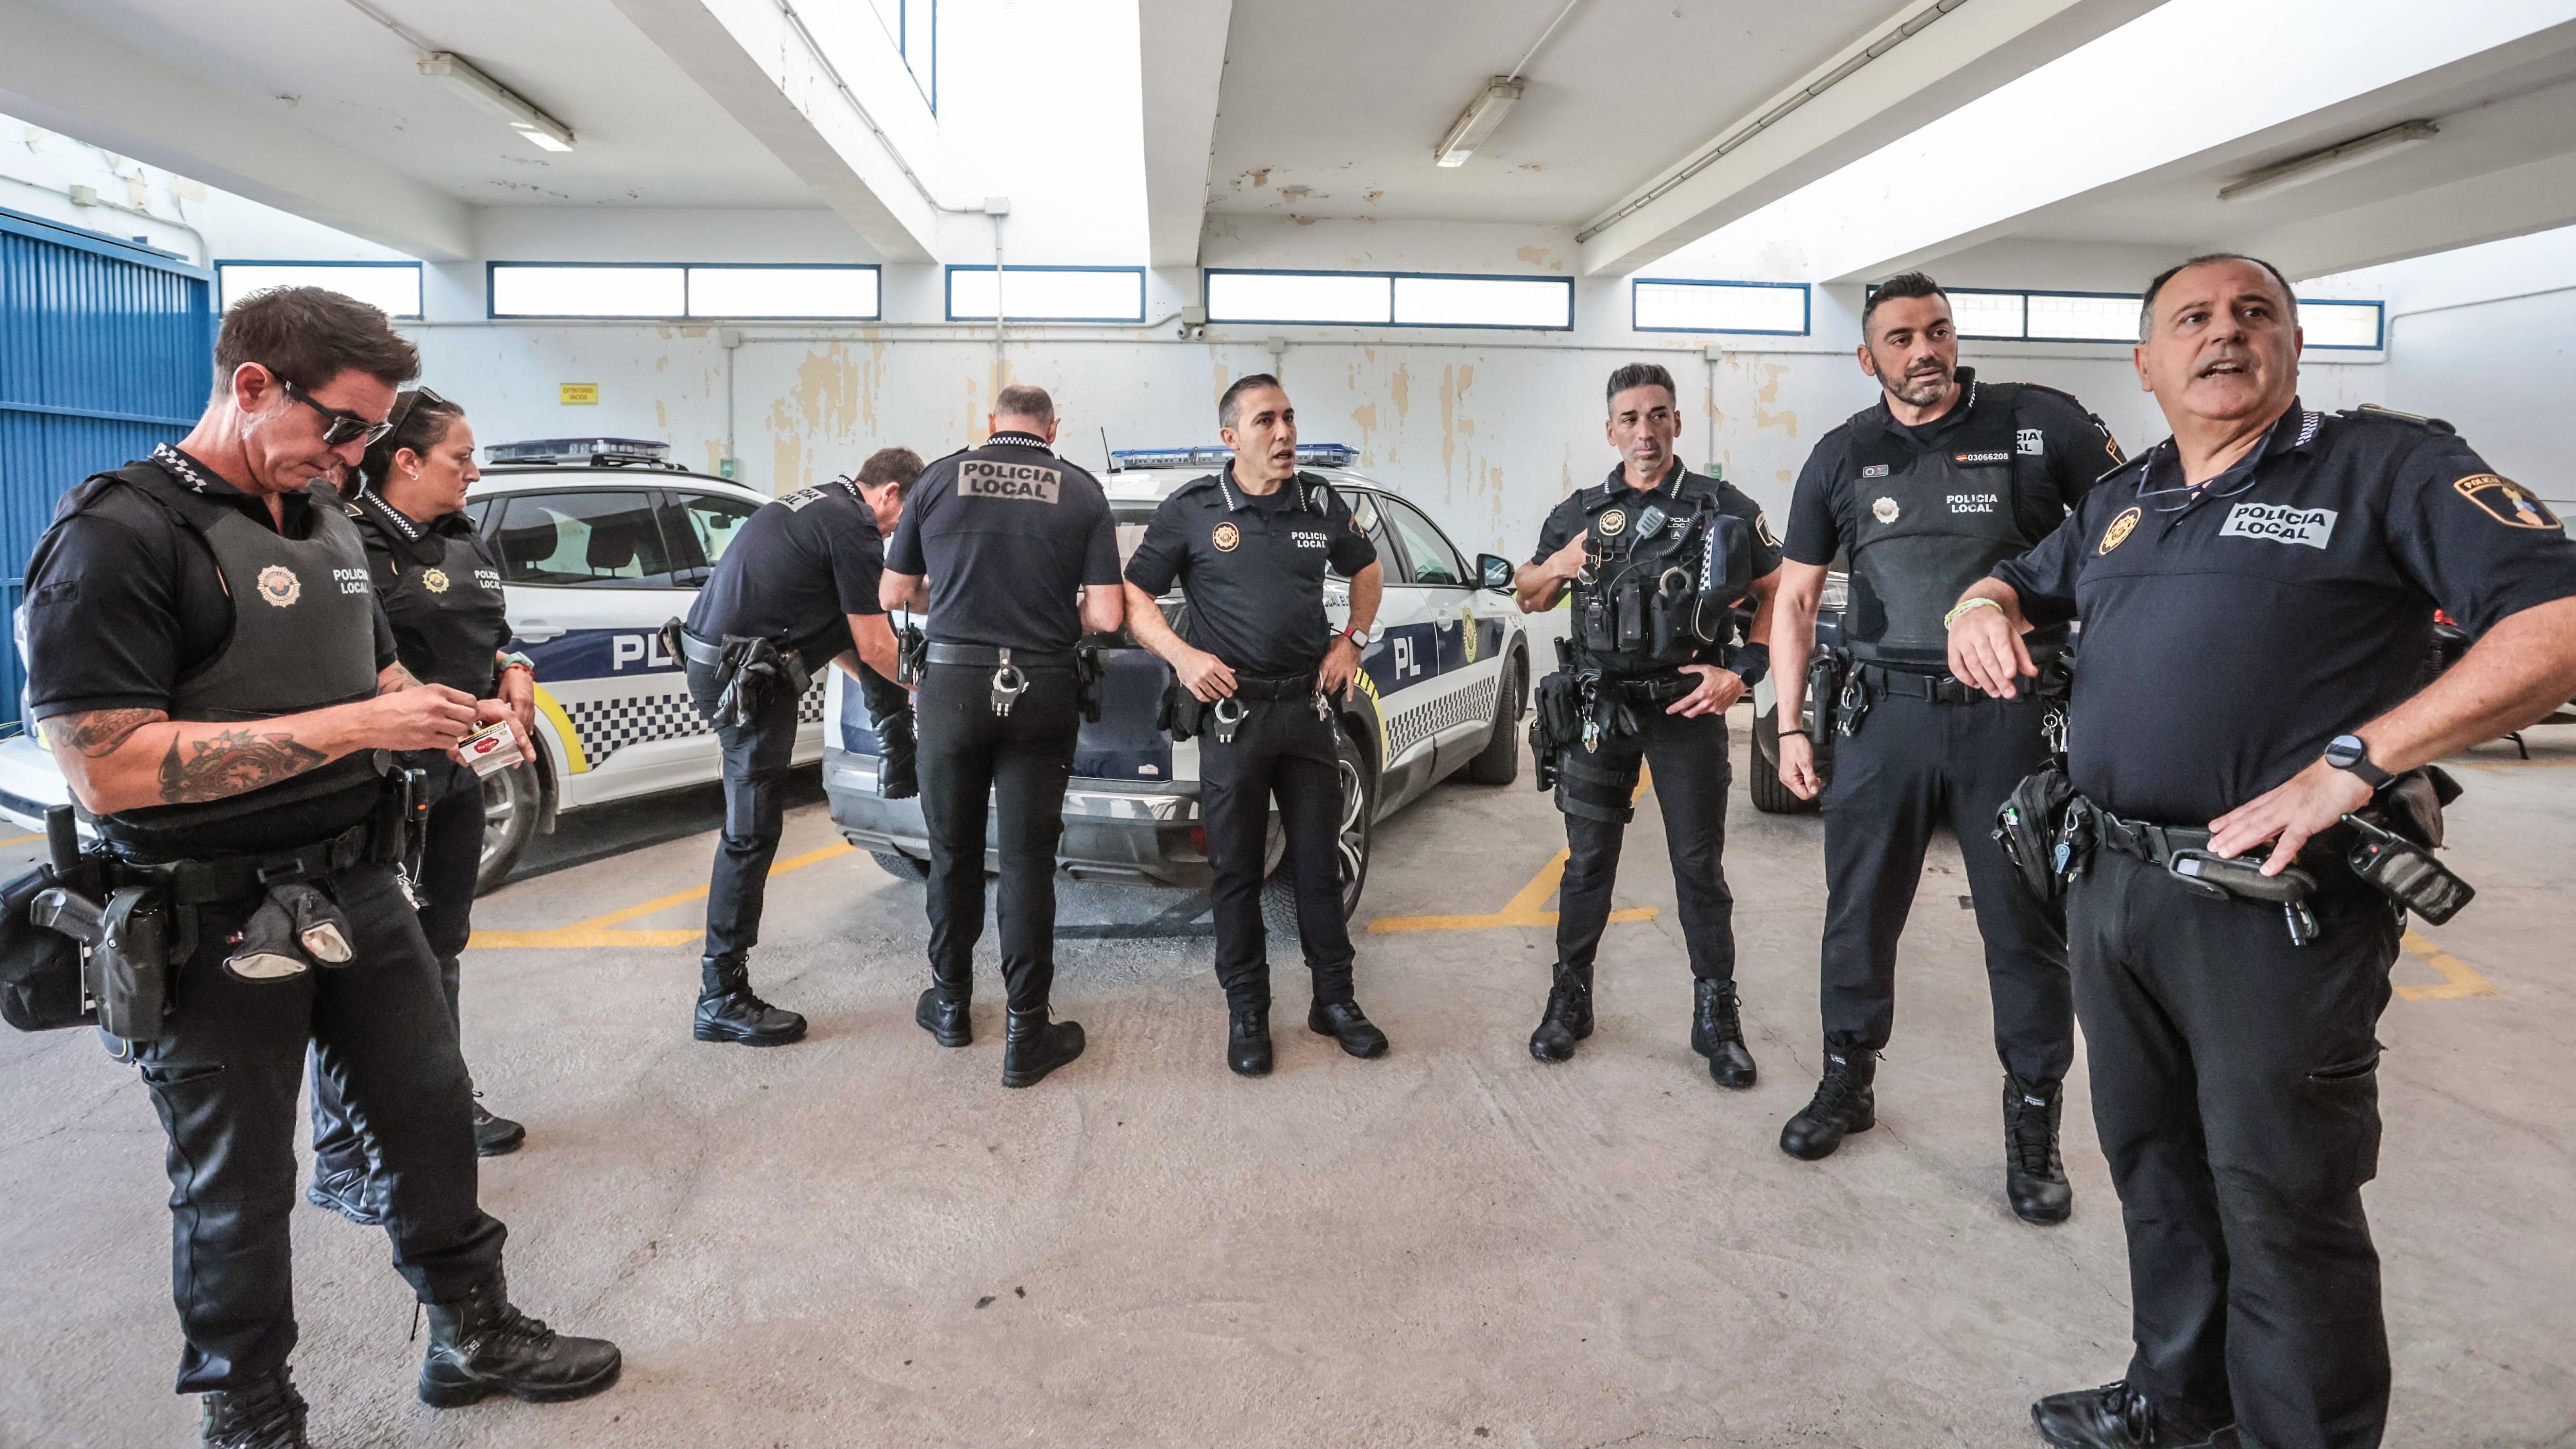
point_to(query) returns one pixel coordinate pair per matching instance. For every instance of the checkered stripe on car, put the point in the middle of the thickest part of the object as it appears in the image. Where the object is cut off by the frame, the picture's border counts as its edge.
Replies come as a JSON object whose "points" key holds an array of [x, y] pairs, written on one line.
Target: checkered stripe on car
{"points": [[606, 726], [1465, 706]]}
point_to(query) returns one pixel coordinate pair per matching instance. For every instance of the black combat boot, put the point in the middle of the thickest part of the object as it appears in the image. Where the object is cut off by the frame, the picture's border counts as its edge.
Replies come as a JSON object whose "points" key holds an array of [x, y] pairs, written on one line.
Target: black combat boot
{"points": [[2034, 1175], [898, 774], [2116, 1416], [943, 1012], [1032, 1046], [1247, 1039], [727, 1011], [1344, 1022], [1844, 1103], [495, 1136], [1717, 1033], [348, 1191], [1568, 1018], [480, 1346], [266, 1415]]}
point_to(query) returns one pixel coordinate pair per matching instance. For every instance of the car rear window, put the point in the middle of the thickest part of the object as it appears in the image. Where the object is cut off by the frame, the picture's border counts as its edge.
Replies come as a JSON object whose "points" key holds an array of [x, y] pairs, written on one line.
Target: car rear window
{"points": [[586, 539]]}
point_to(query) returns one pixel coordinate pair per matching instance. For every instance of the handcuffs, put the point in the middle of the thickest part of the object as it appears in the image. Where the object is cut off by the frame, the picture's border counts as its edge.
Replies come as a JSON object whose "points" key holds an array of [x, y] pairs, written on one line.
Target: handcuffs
{"points": [[1008, 685]]}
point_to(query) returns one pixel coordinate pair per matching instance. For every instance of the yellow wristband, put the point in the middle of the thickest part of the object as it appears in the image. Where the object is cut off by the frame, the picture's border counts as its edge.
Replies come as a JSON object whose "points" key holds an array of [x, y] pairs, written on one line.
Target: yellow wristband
{"points": [[1950, 620]]}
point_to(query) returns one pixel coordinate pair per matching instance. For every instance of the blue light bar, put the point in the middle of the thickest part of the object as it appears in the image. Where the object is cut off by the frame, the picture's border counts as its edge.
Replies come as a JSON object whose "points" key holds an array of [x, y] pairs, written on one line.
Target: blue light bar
{"points": [[1321, 455], [579, 451]]}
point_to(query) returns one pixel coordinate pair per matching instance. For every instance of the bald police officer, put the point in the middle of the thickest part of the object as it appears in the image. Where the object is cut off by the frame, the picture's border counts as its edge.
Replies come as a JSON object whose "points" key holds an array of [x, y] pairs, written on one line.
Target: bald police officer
{"points": [[1013, 552], [1942, 478], [2257, 595], [1249, 546]]}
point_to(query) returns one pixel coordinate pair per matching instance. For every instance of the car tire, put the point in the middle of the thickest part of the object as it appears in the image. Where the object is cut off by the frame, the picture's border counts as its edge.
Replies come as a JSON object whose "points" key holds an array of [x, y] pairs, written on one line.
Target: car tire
{"points": [[1762, 781], [900, 865], [512, 800], [1359, 800], [1499, 763]]}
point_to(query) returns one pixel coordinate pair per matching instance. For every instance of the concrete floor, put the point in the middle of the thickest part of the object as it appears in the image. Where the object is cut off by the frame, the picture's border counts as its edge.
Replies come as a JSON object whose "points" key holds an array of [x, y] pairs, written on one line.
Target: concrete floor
{"points": [[865, 1240]]}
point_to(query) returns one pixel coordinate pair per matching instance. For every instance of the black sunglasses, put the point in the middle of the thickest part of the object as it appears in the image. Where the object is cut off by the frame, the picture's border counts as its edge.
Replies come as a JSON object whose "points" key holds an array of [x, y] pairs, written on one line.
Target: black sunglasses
{"points": [[339, 429]]}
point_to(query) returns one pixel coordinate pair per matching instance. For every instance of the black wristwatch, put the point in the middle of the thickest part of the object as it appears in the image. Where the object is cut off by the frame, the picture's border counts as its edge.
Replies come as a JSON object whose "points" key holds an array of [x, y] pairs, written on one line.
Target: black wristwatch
{"points": [[2348, 752]]}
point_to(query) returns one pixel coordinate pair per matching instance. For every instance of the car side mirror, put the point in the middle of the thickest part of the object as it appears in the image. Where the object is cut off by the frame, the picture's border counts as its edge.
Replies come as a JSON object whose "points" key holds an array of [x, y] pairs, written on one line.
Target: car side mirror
{"points": [[1494, 572]]}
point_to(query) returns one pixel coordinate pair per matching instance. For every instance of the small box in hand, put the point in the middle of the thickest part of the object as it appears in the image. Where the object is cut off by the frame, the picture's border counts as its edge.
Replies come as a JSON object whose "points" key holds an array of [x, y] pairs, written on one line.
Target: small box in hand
{"points": [[490, 748]]}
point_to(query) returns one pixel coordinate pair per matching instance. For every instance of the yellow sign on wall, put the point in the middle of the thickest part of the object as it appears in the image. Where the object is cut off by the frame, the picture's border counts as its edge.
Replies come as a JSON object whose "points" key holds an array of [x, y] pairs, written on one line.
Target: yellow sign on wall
{"points": [[580, 394]]}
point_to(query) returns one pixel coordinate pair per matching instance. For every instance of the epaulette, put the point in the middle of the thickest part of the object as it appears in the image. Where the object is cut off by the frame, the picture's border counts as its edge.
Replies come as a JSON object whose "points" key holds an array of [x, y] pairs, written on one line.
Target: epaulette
{"points": [[2373, 412], [1204, 480]]}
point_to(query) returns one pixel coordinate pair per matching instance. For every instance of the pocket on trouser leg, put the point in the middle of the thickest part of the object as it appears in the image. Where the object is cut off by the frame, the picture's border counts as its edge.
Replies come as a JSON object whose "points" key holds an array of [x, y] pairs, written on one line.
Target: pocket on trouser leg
{"points": [[2344, 1098]]}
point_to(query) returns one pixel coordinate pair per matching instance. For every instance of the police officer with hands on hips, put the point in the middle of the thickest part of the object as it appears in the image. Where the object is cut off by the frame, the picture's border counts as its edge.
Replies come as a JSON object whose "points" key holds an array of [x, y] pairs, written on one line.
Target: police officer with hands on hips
{"points": [[2247, 740], [1941, 479], [441, 591], [210, 664], [794, 592], [1249, 546], [1658, 558], [1013, 552]]}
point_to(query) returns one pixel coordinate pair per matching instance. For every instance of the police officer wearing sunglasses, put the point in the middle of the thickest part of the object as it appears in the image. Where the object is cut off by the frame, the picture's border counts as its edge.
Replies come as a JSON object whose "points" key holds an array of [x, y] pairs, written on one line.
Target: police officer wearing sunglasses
{"points": [[2257, 595], [209, 663]]}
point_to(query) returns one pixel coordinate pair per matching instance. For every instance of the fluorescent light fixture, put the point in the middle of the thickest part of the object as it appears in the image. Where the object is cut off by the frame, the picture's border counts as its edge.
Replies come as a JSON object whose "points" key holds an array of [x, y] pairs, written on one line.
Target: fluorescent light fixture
{"points": [[2333, 160], [534, 126], [1478, 121]]}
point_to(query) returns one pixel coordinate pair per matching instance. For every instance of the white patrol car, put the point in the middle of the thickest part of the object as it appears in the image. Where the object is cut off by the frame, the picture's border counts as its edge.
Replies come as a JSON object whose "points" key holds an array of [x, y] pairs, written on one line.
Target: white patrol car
{"points": [[600, 540], [1441, 689]]}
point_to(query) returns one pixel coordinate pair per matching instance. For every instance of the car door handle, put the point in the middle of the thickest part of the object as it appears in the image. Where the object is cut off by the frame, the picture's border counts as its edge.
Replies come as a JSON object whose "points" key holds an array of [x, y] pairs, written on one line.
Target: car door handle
{"points": [[536, 631]]}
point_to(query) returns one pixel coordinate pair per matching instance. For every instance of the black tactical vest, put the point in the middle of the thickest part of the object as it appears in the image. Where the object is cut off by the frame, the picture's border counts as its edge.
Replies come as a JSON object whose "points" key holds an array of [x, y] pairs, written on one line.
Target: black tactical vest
{"points": [[1664, 572], [444, 601], [303, 638], [1931, 523]]}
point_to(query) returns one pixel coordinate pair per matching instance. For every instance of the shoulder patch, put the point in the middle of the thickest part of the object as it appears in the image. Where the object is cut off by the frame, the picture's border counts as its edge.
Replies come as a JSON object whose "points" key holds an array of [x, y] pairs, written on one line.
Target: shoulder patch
{"points": [[2506, 501]]}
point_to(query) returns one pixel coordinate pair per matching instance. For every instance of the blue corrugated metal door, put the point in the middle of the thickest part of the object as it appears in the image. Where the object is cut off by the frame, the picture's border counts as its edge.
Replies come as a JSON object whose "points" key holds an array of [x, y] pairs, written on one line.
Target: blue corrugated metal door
{"points": [[105, 350]]}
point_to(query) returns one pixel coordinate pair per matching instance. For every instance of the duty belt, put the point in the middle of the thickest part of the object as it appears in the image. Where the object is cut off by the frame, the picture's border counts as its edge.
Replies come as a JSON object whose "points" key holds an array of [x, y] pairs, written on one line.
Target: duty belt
{"points": [[1916, 684], [1652, 688], [203, 881], [2183, 852], [1009, 683]]}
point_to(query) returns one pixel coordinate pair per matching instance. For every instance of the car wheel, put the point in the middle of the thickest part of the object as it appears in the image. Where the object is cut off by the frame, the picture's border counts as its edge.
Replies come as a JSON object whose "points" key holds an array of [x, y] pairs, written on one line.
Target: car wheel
{"points": [[511, 800], [1499, 763], [900, 865], [1352, 839], [1763, 780]]}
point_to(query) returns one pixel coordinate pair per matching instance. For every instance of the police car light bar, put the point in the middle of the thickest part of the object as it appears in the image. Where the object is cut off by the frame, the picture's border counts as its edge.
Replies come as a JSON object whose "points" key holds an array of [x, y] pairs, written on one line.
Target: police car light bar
{"points": [[1320, 455], [603, 452]]}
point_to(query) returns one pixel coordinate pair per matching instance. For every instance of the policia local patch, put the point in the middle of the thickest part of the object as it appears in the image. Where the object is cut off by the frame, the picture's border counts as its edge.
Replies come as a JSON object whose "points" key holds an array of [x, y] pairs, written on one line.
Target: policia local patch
{"points": [[2506, 501], [1026, 482]]}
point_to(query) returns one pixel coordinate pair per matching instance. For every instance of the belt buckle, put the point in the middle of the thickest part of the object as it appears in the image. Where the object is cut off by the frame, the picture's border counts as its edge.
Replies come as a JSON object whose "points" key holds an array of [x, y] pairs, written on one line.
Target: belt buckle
{"points": [[1008, 685]]}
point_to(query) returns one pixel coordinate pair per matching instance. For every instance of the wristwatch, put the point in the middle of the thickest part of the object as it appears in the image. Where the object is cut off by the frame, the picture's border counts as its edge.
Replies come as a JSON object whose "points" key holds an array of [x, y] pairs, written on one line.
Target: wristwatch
{"points": [[2348, 752], [1359, 639]]}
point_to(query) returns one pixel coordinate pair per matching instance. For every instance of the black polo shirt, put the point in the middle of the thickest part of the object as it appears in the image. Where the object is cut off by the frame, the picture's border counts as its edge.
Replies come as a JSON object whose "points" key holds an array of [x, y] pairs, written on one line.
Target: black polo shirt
{"points": [[123, 598], [1574, 514], [800, 566], [2228, 637], [1253, 567], [1008, 533], [2061, 449]]}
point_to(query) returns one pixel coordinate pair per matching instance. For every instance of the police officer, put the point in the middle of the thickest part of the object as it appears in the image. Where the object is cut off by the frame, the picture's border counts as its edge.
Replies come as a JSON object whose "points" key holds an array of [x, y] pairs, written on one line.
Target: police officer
{"points": [[1249, 546], [794, 592], [882, 480], [2257, 593], [441, 591], [1930, 487], [1657, 557], [998, 543], [208, 660]]}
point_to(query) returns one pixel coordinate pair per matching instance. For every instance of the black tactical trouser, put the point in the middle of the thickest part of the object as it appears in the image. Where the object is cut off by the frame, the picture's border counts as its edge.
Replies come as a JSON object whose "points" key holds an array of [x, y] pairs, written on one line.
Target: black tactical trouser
{"points": [[224, 1077], [890, 707], [2236, 1091], [1689, 758], [1019, 763], [1280, 749], [755, 790], [442, 876], [1911, 766]]}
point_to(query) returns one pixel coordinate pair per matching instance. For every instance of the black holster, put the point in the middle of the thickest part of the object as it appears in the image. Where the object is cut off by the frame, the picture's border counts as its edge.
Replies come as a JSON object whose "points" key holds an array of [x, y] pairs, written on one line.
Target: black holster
{"points": [[2045, 837], [1825, 670], [1181, 713], [42, 948], [747, 671], [1090, 664], [1556, 722]]}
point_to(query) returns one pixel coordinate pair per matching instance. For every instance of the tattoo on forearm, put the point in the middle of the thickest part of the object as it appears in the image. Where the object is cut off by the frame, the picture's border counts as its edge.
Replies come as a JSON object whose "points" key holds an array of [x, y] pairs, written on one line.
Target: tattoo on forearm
{"points": [[231, 763], [98, 733], [394, 680]]}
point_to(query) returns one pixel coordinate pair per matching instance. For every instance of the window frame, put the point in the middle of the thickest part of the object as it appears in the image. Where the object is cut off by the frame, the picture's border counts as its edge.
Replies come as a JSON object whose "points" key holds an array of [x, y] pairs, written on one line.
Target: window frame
{"points": [[1207, 276], [492, 312], [1806, 307], [2138, 299], [420, 278]]}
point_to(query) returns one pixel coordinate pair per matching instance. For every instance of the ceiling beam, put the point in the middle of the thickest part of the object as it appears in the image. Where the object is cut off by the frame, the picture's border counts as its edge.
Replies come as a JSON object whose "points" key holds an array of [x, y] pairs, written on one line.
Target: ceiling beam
{"points": [[1184, 67], [1946, 63], [2513, 201], [72, 80], [755, 61]]}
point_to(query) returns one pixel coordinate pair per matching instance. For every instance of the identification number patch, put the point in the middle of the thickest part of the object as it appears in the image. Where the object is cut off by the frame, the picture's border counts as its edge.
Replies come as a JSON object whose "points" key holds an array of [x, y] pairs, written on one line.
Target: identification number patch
{"points": [[1023, 482], [2280, 523]]}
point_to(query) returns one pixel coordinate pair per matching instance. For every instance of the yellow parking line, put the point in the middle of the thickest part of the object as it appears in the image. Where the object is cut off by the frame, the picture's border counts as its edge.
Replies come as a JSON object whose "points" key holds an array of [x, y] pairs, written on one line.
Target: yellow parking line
{"points": [[600, 930], [1523, 908], [2459, 981], [20, 839]]}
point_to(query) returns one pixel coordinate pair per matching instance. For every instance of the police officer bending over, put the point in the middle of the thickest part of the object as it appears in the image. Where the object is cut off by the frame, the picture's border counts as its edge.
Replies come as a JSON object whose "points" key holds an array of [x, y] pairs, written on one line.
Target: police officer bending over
{"points": [[208, 660], [1249, 547], [441, 592], [1658, 558], [2257, 595], [1008, 536], [795, 591], [1946, 476]]}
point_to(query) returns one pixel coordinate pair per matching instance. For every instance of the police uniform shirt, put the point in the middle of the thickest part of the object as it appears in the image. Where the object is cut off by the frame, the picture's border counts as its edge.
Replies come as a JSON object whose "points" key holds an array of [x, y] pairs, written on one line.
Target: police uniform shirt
{"points": [[795, 572], [2229, 635], [419, 641], [1253, 566], [2059, 450], [1008, 533], [125, 599], [1574, 515]]}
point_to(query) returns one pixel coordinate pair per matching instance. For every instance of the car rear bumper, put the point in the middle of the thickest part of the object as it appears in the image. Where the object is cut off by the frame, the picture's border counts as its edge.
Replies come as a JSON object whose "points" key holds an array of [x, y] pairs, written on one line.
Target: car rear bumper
{"points": [[1114, 830]]}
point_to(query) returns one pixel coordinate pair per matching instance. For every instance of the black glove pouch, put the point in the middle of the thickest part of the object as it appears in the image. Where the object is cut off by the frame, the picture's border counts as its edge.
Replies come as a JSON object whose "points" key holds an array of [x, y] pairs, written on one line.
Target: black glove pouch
{"points": [[1181, 713]]}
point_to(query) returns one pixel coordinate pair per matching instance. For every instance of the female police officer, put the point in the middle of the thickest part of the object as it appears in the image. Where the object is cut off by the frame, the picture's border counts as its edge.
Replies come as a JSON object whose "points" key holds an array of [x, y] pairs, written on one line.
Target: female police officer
{"points": [[441, 589]]}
